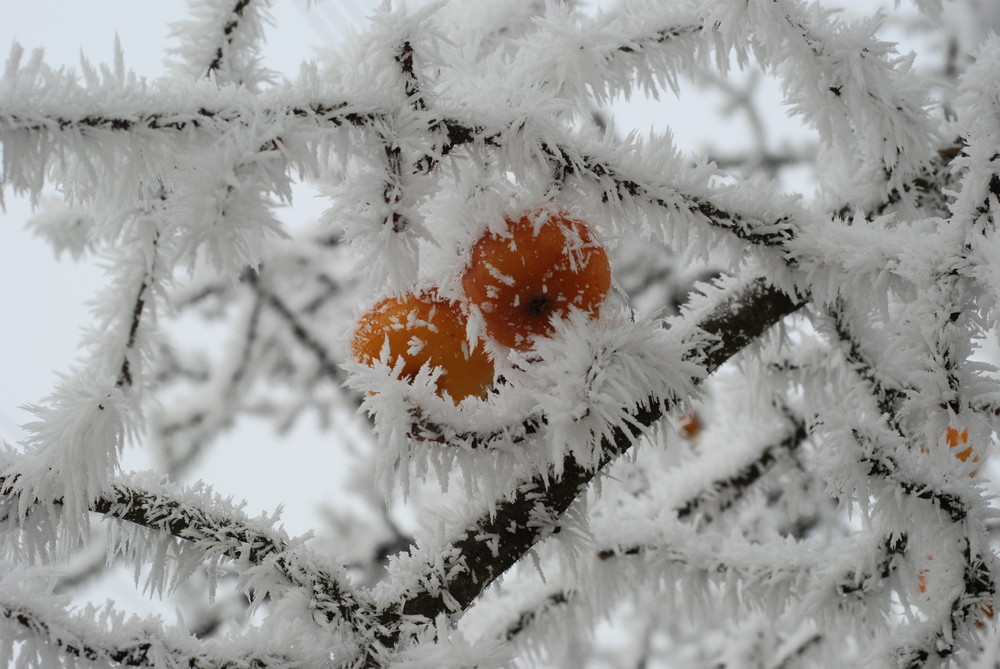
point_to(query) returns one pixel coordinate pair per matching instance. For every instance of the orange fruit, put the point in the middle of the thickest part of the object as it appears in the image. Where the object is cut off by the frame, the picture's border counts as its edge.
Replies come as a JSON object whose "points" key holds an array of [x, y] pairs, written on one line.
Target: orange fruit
{"points": [[956, 438], [689, 425], [520, 280], [425, 329]]}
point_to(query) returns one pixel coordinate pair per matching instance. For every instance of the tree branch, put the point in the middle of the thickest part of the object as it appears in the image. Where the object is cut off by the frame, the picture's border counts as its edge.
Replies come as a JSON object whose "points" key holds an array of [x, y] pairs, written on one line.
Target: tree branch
{"points": [[299, 330], [144, 650], [847, 582], [138, 309], [228, 30], [201, 117], [774, 234], [735, 485], [498, 540], [330, 596]]}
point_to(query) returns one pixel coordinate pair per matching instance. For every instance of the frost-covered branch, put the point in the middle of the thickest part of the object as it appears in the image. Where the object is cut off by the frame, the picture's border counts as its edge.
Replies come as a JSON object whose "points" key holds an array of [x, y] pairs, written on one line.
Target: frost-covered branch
{"points": [[842, 79], [724, 492], [222, 40], [225, 533], [42, 637], [511, 529], [682, 562], [206, 115], [289, 116], [527, 617], [300, 331], [889, 398], [701, 208], [732, 325], [138, 309], [231, 27]]}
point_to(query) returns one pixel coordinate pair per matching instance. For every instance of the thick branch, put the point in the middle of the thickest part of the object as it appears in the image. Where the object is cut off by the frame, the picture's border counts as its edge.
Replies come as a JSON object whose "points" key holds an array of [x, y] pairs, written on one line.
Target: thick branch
{"points": [[498, 540]]}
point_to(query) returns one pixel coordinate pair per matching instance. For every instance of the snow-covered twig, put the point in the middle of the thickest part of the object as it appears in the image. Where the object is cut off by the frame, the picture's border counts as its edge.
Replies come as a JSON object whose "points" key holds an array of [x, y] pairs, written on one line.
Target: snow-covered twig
{"points": [[725, 491], [144, 650], [226, 533], [301, 332]]}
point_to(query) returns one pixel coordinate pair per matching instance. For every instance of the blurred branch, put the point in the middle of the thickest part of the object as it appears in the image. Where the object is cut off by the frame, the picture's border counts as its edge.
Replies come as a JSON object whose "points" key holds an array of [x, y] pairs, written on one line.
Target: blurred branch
{"points": [[771, 580], [769, 161], [302, 333], [724, 491], [149, 648], [888, 398]]}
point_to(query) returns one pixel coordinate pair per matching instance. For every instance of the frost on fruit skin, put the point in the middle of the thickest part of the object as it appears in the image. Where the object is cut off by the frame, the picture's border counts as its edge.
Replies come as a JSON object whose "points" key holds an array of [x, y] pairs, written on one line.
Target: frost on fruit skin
{"points": [[419, 329], [541, 266]]}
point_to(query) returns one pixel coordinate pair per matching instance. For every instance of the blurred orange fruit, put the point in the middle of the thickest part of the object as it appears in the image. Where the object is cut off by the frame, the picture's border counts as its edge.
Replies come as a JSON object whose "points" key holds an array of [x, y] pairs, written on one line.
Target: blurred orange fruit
{"points": [[956, 438], [689, 425]]}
